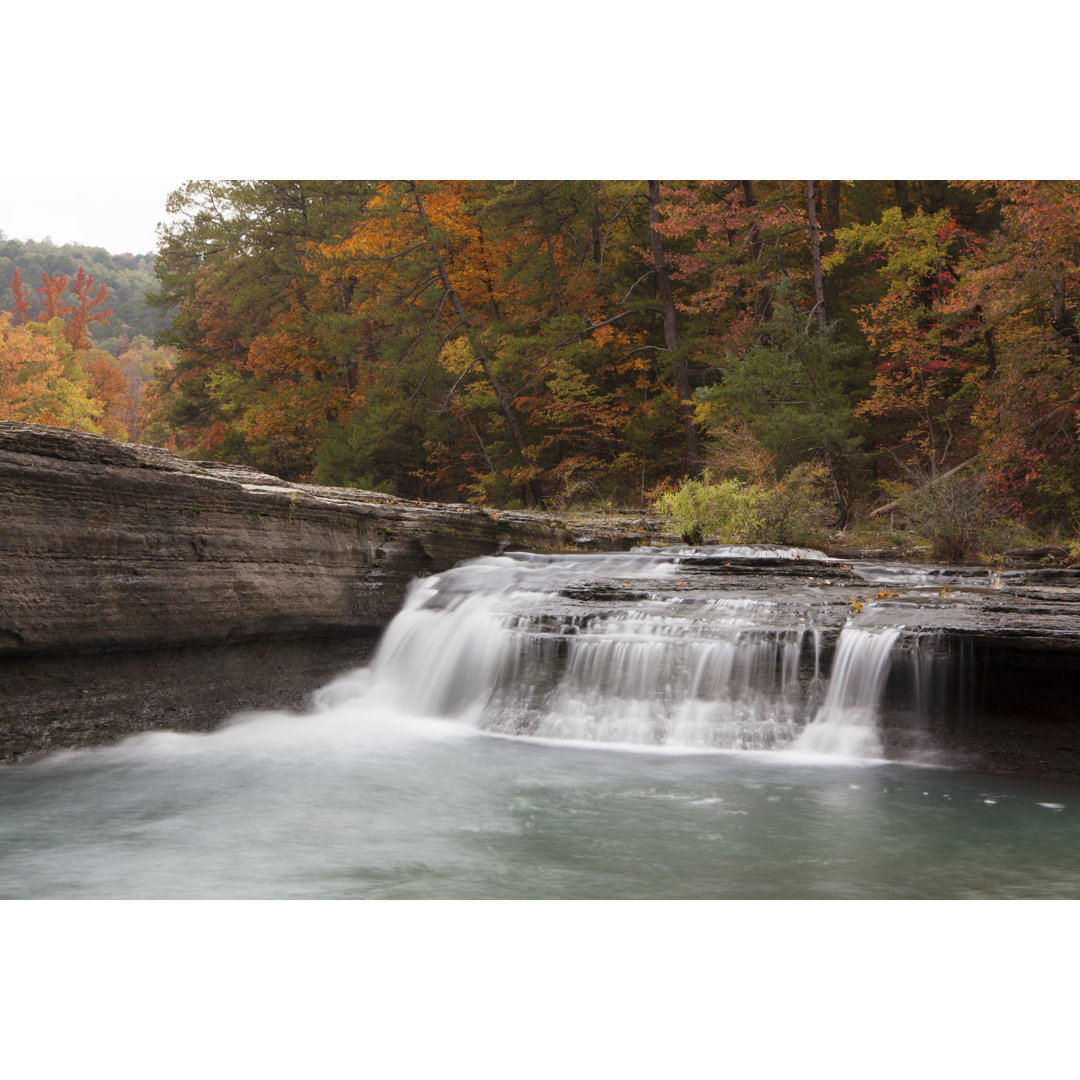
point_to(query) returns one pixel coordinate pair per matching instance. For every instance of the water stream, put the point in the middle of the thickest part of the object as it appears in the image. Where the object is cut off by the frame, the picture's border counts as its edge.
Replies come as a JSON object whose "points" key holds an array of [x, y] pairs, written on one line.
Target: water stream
{"points": [[564, 727]]}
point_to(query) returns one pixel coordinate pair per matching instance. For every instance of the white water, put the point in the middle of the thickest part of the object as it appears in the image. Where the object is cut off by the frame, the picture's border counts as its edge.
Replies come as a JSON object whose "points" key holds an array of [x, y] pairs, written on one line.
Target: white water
{"points": [[846, 723], [497, 644]]}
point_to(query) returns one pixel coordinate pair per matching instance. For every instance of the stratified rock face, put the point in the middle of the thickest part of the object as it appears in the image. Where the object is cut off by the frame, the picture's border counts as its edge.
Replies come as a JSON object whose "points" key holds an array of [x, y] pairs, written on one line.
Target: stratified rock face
{"points": [[112, 546]]}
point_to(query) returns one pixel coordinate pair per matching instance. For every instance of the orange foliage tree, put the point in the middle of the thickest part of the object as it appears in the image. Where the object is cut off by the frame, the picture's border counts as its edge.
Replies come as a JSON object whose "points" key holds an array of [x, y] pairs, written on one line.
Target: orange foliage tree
{"points": [[1020, 296], [487, 295], [53, 375], [926, 367], [541, 341], [41, 381]]}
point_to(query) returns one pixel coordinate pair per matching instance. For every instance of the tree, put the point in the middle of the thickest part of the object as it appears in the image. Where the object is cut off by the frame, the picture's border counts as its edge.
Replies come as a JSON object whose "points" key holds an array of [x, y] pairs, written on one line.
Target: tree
{"points": [[791, 396], [815, 256], [1018, 295], [20, 313], [250, 381], [140, 363], [671, 338], [76, 316], [41, 381], [110, 392], [81, 314], [486, 301], [926, 368]]}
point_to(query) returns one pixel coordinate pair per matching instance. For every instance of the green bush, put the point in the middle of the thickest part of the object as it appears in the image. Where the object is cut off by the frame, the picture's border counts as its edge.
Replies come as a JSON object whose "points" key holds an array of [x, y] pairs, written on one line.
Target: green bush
{"points": [[791, 511], [702, 510], [795, 510]]}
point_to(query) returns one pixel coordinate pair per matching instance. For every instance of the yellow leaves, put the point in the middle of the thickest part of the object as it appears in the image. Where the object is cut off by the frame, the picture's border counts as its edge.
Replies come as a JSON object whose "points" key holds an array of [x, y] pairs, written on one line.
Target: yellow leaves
{"points": [[457, 355], [703, 411], [446, 210], [604, 335], [859, 602], [738, 450], [40, 379]]}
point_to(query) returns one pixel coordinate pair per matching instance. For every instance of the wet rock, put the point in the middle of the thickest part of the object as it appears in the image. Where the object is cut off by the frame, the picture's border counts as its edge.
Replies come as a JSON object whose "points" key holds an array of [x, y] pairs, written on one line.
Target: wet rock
{"points": [[1051, 551], [140, 590]]}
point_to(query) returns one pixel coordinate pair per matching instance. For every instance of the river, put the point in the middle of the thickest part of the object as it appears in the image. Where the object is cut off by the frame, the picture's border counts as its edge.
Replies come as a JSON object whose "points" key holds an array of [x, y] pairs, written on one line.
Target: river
{"points": [[541, 727]]}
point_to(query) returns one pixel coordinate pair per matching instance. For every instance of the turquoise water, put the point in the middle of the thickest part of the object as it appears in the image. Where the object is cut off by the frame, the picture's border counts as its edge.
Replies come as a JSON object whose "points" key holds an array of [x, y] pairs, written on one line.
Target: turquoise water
{"points": [[353, 803]]}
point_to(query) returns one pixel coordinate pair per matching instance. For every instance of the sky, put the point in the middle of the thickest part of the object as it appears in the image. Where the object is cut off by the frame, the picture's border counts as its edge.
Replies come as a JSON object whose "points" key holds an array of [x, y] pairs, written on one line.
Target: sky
{"points": [[719, 94], [119, 215]]}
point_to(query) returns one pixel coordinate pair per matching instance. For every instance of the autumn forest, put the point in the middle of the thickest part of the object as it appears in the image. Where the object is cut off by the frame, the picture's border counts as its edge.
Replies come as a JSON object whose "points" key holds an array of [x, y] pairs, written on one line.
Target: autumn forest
{"points": [[584, 343]]}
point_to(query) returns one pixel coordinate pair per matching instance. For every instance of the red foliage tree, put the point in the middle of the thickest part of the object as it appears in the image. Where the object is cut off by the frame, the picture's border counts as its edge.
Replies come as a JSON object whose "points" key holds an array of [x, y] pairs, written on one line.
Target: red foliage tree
{"points": [[23, 307], [81, 314], [77, 316], [52, 289]]}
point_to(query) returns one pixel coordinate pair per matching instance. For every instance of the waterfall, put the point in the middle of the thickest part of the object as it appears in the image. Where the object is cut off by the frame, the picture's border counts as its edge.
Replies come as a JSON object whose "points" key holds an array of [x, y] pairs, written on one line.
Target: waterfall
{"points": [[633, 649], [846, 723]]}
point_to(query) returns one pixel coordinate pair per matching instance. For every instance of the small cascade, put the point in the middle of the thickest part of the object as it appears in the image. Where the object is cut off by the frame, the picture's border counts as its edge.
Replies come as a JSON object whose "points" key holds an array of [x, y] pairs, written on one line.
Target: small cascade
{"points": [[635, 649], [659, 682], [438, 660], [846, 723]]}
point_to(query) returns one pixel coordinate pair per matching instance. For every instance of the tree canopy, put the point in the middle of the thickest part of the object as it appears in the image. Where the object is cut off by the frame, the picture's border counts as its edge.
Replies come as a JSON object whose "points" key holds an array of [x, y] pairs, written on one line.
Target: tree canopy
{"points": [[541, 342]]}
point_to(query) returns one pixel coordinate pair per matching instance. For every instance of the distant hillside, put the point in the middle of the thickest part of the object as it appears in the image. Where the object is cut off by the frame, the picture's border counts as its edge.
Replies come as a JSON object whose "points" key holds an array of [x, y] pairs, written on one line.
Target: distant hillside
{"points": [[127, 277]]}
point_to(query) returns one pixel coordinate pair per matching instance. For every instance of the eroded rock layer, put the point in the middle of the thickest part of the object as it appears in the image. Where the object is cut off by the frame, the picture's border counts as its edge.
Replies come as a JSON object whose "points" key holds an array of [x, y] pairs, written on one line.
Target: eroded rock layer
{"points": [[107, 546], [139, 590]]}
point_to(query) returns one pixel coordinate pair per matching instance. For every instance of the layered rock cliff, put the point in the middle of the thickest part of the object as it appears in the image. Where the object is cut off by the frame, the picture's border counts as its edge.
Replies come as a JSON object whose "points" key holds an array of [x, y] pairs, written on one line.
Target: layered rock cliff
{"points": [[139, 590], [115, 549], [106, 545]]}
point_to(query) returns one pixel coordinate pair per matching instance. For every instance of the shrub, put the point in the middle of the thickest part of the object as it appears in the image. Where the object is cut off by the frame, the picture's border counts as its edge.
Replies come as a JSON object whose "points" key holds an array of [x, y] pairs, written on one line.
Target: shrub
{"points": [[795, 510], [792, 511], [702, 510], [960, 518]]}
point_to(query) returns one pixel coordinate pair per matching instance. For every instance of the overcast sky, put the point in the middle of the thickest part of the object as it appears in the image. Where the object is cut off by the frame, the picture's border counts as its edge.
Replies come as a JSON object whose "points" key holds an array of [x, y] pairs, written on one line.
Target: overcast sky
{"points": [[852, 102], [118, 215]]}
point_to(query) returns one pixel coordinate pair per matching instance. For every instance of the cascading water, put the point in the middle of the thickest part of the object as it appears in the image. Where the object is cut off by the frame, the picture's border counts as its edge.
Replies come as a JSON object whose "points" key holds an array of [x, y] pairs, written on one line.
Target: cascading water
{"points": [[621, 649], [392, 788], [846, 723]]}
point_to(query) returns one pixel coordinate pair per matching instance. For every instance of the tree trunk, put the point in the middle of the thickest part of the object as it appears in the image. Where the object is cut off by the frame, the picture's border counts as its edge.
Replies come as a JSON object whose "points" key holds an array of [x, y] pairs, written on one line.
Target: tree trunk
{"points": [[671, 339], [553, 269], [936, 480], [815, 253], [757, 244], [844, 510], [1060, 318], [594, 228], [832, 216], [478, 349], [903, 199]]}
